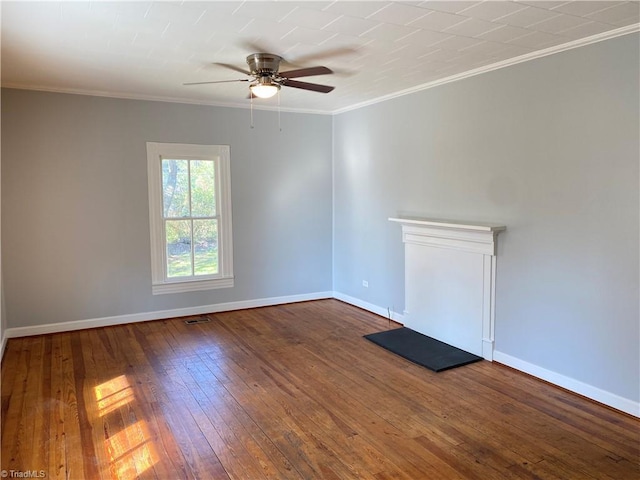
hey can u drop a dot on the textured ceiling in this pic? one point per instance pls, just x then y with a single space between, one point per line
377 49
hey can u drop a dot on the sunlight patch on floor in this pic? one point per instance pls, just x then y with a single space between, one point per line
113 394
131 450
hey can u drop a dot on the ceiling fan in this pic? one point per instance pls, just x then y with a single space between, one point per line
266 79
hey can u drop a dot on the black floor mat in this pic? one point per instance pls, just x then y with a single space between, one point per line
421 349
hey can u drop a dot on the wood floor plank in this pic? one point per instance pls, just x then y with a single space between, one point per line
444 407
172 460
284 393
339 435
57 463
73 451
318 383
536 422
14 412
578 418
281 420
227 415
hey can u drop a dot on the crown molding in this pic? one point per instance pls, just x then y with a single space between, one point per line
498 65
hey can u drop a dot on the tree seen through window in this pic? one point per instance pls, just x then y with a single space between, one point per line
190 217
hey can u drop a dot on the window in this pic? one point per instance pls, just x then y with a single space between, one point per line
190 217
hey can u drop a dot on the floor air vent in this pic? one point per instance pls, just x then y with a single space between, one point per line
195 321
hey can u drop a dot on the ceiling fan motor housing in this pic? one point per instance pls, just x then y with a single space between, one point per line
263 63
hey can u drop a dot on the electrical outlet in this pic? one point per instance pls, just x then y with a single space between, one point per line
365 284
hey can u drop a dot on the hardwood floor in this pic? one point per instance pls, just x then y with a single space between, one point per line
288 392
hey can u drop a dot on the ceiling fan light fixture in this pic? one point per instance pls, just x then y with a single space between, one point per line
264 90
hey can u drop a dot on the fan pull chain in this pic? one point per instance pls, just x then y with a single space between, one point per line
251 108
279 124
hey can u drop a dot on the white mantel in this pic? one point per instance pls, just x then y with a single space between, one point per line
450 276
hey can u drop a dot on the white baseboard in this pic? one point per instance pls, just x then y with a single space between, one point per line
602 396
383 312
158 315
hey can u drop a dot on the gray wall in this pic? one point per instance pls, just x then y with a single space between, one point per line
3 317
75 221
550 149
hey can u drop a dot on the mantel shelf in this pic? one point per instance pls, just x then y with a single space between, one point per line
449 224
475 237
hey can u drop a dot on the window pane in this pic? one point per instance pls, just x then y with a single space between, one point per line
175 188
203 188
205 240
178 238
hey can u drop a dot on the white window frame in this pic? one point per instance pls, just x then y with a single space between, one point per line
160 283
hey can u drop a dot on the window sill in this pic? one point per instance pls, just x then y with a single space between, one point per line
191 285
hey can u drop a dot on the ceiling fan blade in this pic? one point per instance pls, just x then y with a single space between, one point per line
233 67
254 47
217 81
306 72
314 87
321 56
